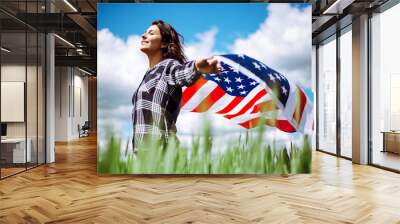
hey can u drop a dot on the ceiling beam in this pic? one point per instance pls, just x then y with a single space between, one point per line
81 61
337 7
86 26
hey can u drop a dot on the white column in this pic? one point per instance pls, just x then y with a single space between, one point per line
50 92
50 100
360 90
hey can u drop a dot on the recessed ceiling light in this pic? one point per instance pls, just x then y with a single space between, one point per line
84 71
5 50
64 40
70 5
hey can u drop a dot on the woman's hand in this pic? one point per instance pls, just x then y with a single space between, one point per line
208 65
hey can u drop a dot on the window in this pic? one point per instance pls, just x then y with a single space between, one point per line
346 93
385 88
327 96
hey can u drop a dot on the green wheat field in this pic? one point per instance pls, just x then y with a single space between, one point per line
248 155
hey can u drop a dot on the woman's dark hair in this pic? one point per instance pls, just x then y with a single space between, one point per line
172 39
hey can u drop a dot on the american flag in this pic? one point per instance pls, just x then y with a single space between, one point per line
247 90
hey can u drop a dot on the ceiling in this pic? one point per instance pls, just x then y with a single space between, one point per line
74 22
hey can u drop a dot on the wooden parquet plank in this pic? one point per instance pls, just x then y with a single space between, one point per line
70 191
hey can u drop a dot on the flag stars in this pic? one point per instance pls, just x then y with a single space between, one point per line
271 77
238 79
236 83
284 91
227 80
257 66
264 66
278 76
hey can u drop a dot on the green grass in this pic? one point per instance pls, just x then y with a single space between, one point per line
251 155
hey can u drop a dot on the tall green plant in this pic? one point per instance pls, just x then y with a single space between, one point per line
252 156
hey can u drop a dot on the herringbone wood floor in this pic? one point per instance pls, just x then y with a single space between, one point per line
70 191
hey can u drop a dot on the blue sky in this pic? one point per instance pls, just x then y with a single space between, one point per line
188 19
233 20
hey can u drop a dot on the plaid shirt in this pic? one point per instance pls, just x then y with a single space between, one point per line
156 102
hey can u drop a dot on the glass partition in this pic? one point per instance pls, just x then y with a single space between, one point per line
23 91
327 96
13 105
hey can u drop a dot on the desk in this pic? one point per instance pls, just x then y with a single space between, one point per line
391 141
15 148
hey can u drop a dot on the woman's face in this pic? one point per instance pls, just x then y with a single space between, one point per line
151 41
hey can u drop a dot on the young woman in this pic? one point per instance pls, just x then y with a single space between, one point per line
156 102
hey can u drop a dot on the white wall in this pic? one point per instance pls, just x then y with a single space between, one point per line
71 87
62 81
80 108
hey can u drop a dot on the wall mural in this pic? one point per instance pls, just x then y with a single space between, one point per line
204 88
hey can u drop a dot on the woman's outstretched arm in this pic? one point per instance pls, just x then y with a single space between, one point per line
187 73
208 65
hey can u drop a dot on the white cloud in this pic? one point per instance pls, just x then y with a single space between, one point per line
121 66
283 42
204 47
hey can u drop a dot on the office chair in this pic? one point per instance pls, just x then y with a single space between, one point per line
84 130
